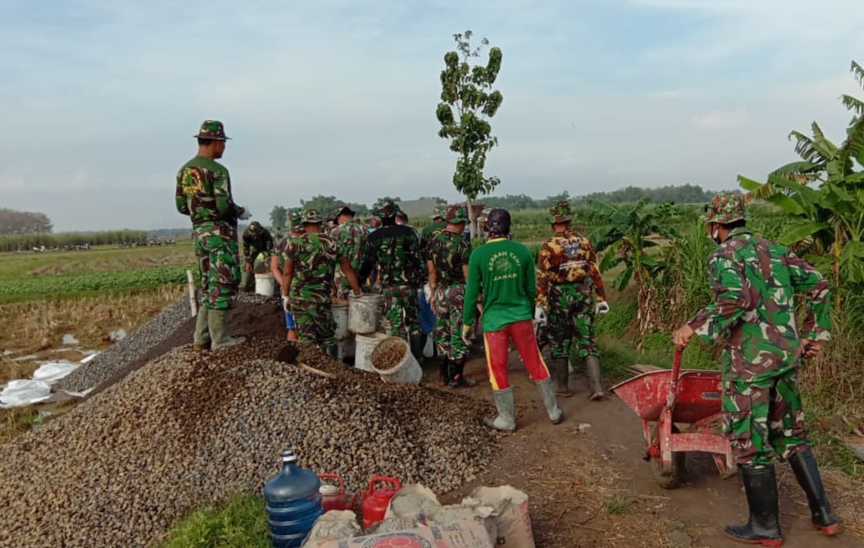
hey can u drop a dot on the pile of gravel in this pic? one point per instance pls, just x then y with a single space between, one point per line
190 429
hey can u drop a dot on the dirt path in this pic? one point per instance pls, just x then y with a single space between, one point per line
588 484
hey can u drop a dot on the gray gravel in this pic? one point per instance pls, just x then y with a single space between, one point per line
132 347
190 429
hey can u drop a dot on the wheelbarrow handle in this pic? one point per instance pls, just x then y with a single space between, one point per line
676 363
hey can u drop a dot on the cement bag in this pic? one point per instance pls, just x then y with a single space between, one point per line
510 512
418 503
333 525
463 534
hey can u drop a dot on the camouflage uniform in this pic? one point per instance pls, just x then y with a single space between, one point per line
351 238
449 253
314 257
567 280
395 249
203 192
257 240
438 212
755 282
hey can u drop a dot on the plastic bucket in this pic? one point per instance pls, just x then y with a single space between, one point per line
364 346
340 316
264 284
407 370
364 312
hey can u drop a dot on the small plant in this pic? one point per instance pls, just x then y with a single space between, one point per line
241 522
619 504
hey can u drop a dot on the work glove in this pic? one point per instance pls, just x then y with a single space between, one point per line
539 315
601 308
468 334
285 306
427 292
245 215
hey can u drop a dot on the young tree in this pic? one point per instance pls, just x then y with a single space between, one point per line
278 217
467 102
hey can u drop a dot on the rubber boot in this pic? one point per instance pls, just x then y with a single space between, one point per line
548 392
763 527
592 364
457 375
201 341
218 322
443 371
332 351
416 342
505 403
807 472
558 369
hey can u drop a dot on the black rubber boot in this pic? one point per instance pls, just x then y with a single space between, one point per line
807 472
443 371
457 377
416 342
763 527
332 351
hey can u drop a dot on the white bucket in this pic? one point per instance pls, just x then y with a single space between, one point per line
364 312
365 344
340 316
406 371
264 284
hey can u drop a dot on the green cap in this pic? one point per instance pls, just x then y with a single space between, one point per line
457 214
294 218
560 212
439 210
213 130
311 216
725 208
385 209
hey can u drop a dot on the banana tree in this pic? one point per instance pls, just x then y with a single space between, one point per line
626 241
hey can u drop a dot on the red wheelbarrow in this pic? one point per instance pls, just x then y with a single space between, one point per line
665 400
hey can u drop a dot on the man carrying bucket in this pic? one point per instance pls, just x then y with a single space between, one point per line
351 238
277 266
504 271
447 255
755 282
256 241
310 262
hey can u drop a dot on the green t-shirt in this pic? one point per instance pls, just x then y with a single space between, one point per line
503 270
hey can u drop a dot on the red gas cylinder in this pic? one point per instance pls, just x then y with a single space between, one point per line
375 501
334 497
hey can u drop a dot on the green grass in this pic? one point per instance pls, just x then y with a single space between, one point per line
239 523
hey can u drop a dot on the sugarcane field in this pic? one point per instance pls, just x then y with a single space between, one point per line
357 323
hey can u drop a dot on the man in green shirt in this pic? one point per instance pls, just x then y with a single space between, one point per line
203 192
504 271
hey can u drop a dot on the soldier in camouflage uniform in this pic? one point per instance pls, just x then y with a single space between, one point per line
350 236
277 265
439 214
310 262
256 240
426 312
755 282
203 192
447 255
567 281
395 249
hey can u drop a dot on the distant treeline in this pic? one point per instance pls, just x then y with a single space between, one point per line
23 222
169 233
26 242
685 194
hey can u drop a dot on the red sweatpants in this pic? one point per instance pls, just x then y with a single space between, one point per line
522 335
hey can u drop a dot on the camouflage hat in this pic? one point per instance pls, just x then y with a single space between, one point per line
725 208
342 208
560 213
294 218
385 209
255 226
439 210
311 216
212 130
457 214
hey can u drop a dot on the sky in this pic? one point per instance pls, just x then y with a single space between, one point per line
99 99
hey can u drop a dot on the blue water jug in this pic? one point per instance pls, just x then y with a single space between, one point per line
293 503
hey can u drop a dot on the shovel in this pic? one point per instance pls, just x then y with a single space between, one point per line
289 354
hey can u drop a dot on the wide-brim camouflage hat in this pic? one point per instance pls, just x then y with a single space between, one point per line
560 213
385 209
343 208
294 218
457 214
439 211
725 208
212 130
311 216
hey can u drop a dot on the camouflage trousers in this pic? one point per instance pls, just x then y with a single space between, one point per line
449 300
571 320
314 320
218 265
763 417
402 310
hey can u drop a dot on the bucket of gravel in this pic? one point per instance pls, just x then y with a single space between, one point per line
340 316
264 284
364 345
364 311
392 359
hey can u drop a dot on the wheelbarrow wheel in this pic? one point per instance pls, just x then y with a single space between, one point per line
670 479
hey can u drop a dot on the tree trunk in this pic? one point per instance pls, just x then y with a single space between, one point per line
470 208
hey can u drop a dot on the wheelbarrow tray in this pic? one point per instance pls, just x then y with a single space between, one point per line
698 394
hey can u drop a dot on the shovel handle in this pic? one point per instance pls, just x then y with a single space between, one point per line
316 371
